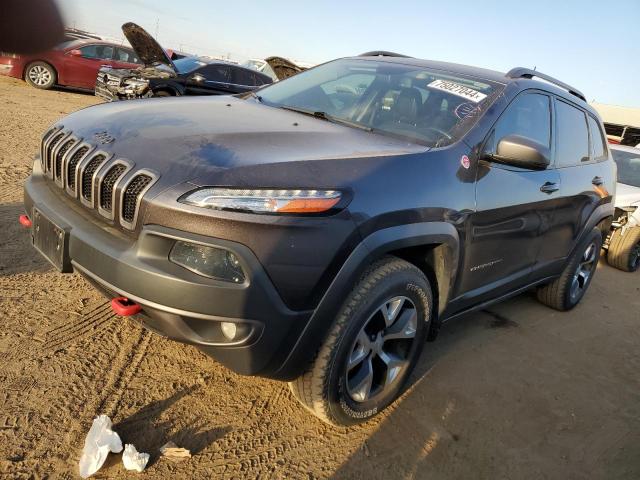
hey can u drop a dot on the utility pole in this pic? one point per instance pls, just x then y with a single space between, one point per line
157 27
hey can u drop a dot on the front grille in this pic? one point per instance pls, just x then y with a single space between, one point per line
131 194
75 166
60 155
106 188
87 176
53 143
71 166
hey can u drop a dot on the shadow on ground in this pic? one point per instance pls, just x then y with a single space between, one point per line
17 255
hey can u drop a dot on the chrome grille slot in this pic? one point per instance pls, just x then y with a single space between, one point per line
131 197
87 176
45 138
50 147
108 184
60 156
71 167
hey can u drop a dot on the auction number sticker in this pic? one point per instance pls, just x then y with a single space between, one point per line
459 90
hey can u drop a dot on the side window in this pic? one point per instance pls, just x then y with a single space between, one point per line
529 115
598 149
216 73
573 136
102 52
242 77
125 55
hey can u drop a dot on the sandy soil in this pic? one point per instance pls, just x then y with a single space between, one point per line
518 392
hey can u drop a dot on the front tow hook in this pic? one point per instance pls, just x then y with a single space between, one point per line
124 307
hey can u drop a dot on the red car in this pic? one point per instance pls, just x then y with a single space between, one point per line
73 64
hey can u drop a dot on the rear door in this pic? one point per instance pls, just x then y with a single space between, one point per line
514 206
583 182
83 70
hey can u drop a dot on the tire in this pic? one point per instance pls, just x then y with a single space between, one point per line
332 391
40 75
163 93
624 249
566 291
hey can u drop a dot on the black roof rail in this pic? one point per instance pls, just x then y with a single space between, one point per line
521 72
383 53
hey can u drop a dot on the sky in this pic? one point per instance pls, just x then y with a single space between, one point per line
588 44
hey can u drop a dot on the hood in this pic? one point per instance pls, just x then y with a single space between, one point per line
213 139
627 195
283 68
145 46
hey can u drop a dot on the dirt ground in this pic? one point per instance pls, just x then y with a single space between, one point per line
516 392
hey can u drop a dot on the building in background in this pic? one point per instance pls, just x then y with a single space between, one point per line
621 123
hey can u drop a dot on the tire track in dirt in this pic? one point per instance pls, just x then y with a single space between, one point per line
79 328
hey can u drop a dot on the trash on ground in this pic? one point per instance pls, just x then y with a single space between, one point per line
99 442
134 460
174 452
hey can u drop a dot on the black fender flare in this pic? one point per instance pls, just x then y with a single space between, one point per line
177 91
369 250
601 217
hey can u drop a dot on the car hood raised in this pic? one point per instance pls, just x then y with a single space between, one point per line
283 68
146 47
197 139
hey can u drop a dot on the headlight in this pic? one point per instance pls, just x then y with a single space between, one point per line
208 261
263 201
135 84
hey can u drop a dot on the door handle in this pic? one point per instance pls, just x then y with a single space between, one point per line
549 187
597 181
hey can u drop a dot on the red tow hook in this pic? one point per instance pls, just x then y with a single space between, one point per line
25 221
125 307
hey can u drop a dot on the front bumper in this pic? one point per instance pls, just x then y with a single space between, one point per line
176 303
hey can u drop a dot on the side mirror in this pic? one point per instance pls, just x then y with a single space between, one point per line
75 52
522 152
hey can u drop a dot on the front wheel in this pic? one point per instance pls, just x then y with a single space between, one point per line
40 75
566 291
375 342
624 249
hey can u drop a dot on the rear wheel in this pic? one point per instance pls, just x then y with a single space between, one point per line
566 291
375 342
163 93
624 249
40 75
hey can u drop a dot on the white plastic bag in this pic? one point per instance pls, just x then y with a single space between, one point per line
99 442
133 460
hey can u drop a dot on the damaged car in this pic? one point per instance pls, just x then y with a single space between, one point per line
623 244
278 68
160 76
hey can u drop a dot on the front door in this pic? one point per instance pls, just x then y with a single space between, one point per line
514 208
82 70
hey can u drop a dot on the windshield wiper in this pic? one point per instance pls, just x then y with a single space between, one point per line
326 116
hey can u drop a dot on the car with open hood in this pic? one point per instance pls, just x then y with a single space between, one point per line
160 76
319 230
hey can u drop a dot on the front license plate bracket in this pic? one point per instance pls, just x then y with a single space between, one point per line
51 241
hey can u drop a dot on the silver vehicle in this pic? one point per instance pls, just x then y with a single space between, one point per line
623 244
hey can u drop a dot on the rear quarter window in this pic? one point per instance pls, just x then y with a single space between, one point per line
598 148
573 137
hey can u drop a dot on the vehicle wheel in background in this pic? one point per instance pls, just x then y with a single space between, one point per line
372 347
624 249
163 93
566 291
40 75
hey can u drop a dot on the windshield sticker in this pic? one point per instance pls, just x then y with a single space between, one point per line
457 89
465 109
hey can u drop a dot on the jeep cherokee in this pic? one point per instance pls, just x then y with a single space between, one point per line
320 229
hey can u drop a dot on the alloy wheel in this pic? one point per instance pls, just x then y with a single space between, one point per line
583 272
39 75
380 353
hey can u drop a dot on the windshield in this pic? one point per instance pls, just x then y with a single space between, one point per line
628 166
188 64
425 106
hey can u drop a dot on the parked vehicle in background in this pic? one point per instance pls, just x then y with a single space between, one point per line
278 68
160 76
623 244
320 231
71 64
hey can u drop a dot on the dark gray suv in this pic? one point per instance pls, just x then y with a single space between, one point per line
320 229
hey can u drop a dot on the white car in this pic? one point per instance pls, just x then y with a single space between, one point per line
623 244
